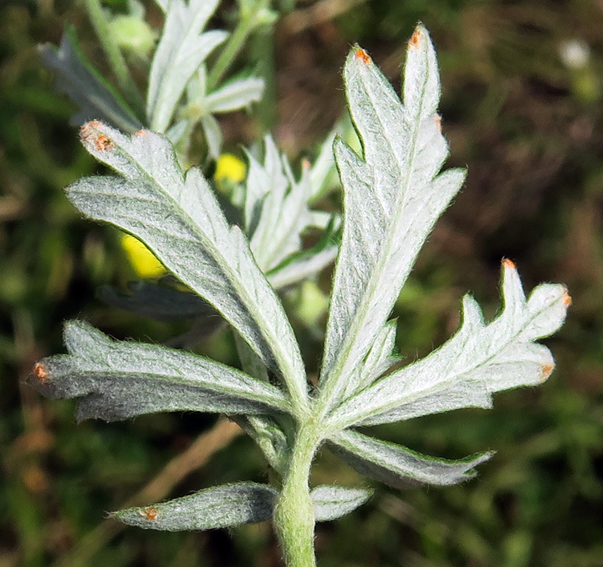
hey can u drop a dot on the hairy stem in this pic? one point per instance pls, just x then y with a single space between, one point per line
294 513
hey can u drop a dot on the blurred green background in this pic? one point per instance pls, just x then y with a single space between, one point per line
522 107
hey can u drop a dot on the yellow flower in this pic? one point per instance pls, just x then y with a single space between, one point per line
142 259
229 168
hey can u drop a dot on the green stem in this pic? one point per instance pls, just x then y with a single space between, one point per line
235 42
115 57
294 512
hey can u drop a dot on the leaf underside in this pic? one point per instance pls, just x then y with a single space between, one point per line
235 504
117 380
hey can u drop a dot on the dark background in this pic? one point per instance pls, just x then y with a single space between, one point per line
529 128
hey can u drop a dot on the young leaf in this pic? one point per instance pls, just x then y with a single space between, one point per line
219 507
332 502
478 361
397 466
181 50
79 79
180 221
117 380
277 212
392 198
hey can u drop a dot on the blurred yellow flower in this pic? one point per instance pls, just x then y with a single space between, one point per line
229 168
142 259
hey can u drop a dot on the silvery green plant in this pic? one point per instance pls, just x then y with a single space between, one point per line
392 195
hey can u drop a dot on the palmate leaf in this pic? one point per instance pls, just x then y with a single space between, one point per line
235 504
393 194
392 198
478 361
117 380
180 221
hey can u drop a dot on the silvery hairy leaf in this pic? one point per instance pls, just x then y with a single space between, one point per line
78 78
479 360
234 95
235 504
397 466
181 50
218 507
178 218
304 264
392 197
116 380
332 502
276 210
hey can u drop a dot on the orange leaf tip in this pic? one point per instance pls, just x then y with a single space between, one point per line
363 56
508 264
89 134
545 371
416 36
40 372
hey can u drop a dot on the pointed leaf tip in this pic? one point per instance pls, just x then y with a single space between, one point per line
545 371
416 36
40 371
362 55
92 138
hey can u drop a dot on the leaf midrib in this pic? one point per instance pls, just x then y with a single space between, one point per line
442 385
335 376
